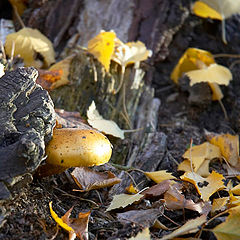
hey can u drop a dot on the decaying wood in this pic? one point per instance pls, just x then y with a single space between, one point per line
27 119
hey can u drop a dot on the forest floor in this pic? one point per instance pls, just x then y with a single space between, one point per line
28 215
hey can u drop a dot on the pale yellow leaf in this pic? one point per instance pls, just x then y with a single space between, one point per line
229 230
229 146
206 187
159 176
101 124
216 91
192 59
123 200
236 189
28 42
190 226
226 8
130 52
214 73
1 70
219 204
199 153
203 170
102 47
143 235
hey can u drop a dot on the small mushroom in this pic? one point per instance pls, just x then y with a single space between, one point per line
73 147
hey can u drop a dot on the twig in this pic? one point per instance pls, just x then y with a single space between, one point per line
73 196
191 164
18 17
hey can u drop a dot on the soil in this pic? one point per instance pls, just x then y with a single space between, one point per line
28 214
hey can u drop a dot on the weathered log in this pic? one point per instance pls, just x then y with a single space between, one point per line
27 118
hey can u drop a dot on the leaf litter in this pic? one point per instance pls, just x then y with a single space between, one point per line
169 191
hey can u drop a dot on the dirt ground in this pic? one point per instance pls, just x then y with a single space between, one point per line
28 214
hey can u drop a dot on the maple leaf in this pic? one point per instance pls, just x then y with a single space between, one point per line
229 230
88 179
102 47
27 43
101 124
123 200
159 176
205 186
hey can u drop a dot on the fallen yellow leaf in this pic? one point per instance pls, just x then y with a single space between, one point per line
159 176
201 9
190 60
64 66
214 74
199 153
228 144
58 220
190 226
217 94
101 124
28 42
229 230
217 9
123 200
236 190
130 52
219 204
222 9
205 186
102 47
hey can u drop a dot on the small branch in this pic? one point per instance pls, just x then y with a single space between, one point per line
18 17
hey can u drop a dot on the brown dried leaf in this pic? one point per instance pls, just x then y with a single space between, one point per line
158 190
88 179
144 218
176 200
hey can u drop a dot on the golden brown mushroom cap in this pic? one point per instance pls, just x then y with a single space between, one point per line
73 147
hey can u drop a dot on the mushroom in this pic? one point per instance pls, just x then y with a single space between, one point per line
74 147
